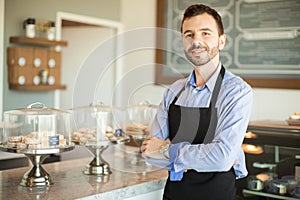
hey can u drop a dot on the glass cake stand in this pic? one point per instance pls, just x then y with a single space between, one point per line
138 139
98 166
36 176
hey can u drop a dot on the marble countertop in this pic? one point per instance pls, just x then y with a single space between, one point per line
130 177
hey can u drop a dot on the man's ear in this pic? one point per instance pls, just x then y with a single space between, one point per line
222 41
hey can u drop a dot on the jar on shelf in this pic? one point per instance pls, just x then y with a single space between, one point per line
51 31
29 26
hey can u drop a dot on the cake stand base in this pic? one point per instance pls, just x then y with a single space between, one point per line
37 176
98 166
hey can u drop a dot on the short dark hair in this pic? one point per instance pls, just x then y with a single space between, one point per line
199 9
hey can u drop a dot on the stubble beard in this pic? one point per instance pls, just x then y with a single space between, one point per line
204 58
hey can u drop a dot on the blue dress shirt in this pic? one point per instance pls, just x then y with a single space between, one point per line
234 105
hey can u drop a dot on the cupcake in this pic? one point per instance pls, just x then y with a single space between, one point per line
295 116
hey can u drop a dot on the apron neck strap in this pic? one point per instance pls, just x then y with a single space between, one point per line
217 87
215 92
178 94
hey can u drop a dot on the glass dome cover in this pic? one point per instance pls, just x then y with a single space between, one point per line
97 123
139 118
36 127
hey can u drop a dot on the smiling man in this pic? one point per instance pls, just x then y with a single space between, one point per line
200 124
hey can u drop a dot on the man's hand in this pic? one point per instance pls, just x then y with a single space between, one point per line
151 147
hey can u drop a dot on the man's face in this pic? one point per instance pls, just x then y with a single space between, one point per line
201 41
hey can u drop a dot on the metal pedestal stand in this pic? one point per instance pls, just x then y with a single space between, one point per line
98 166
37 176
138 139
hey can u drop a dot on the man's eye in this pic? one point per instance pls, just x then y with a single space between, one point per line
205 33
188 35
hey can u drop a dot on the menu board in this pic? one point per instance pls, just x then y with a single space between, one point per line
263 37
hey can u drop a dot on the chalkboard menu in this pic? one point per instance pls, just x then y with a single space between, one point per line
263 37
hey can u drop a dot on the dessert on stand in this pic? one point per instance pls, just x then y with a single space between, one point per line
97 127
138 121
36 131
294 119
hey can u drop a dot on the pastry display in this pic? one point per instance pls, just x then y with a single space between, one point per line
89 135
264 177
295 116
137 129
249 134
294 119
252 149
138 122
97 127
15 139
36 140
37 132
36 127
98 124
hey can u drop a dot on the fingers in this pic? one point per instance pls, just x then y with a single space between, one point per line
143 149
144 145
152 143
149 137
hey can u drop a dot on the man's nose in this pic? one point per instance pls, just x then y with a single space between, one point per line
197 43
197 39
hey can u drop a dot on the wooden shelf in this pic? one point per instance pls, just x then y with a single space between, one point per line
37 41
37 88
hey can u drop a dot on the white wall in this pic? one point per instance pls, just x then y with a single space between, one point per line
84 40
137 14
275 104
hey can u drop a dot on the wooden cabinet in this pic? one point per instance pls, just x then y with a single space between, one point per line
34 65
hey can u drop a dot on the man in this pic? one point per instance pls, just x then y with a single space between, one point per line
201 121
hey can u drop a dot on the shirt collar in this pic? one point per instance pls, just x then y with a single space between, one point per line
210 83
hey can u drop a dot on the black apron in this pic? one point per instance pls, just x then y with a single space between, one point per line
197 126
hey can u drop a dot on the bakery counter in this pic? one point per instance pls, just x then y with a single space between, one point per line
127 180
